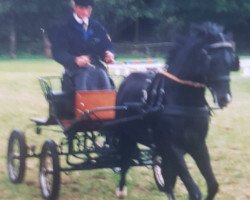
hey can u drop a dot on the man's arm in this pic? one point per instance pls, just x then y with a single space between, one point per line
58 38
82 61
109 57
107 53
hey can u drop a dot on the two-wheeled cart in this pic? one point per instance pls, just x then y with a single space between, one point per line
86 119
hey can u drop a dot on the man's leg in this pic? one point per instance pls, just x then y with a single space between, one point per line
80 79
67 83
104 82
90 78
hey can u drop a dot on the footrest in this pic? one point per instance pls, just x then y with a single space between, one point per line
44 121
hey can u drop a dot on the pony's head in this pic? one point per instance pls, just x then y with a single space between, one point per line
207 56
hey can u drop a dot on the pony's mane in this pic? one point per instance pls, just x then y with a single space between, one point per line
207 31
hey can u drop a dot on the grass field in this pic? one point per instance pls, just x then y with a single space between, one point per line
21 99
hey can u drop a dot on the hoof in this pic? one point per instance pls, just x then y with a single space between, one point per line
212 191
170 197
121 194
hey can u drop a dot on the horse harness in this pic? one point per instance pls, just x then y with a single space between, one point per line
217 45
154 103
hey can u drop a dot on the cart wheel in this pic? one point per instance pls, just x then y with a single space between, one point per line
157 173
49 171
16 156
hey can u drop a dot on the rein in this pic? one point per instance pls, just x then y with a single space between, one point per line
181 81
204 111
181 110
197 84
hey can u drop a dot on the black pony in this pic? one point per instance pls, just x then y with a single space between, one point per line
174 109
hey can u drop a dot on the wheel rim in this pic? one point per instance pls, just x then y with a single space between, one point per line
14 160
46 174
158 172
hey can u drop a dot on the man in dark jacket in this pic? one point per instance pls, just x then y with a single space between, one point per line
80 44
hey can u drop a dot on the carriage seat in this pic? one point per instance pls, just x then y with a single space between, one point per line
69 104
61 103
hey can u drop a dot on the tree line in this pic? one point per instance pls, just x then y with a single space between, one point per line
24 22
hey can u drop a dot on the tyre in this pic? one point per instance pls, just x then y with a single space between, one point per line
158 173
16 156
49 171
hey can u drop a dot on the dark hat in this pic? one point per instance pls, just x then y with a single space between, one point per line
84 2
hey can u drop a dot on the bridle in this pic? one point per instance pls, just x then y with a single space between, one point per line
194 84
221 45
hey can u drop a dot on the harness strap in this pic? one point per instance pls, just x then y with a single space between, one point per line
221 45
186 111
221 78
181 81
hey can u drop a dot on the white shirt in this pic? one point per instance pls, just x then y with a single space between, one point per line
85 20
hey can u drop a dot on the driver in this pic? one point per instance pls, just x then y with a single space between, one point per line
81 44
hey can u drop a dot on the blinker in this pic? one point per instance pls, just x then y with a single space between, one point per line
236 65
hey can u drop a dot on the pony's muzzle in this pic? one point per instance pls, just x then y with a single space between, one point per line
223 101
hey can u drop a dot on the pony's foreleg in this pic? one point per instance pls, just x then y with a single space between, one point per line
178 159
201 157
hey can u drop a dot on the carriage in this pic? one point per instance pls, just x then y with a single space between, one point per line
169 107
86 120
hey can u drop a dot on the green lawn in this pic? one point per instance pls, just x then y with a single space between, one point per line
21 99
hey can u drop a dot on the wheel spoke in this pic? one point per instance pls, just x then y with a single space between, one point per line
17 151
14 159
49 166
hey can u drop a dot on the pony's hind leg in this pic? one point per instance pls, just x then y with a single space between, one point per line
201 157
182 170
121 191
169 174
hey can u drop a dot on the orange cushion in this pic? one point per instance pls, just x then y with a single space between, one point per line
86 101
